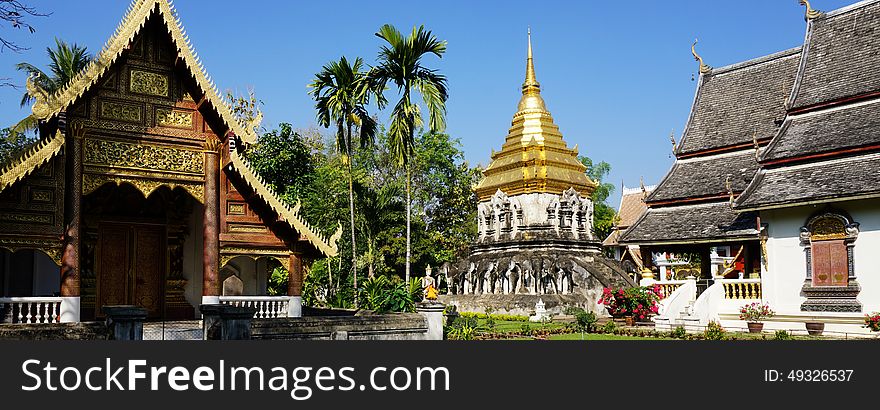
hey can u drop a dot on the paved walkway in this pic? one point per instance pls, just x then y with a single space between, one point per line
174 330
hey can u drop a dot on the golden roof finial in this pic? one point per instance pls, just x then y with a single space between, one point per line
531 79
810 13
703 67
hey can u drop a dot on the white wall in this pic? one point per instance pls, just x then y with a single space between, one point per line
786 272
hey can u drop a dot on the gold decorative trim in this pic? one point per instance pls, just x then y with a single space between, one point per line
45 219
146 186
827 228
166 117
142 156
228 254
247 229
52 249
120 111
149 83
38 155
290 215
212 144
235 209
134 20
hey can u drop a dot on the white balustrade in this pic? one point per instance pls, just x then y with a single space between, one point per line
31 309
267 306
669 286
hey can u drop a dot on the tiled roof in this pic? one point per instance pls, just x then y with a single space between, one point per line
700 223
826 181
855 126
706 176
841 56
732 103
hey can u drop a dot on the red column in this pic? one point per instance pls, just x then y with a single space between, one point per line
211 223
70 278
295 285
70 272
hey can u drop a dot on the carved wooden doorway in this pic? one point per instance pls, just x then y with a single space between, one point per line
131 263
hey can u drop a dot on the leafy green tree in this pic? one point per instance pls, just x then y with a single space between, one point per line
380 208
12 145
400 62
65 62
603 214
284 161
341 92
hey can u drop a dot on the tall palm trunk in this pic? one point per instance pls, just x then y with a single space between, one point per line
408 225
351 215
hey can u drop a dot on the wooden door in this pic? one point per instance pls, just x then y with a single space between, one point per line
131 266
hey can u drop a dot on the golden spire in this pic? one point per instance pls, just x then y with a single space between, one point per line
531 88
534 157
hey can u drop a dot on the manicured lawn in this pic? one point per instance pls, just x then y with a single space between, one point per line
504 326
599 336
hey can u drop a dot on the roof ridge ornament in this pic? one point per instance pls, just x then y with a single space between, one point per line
642 186
755 143
729 188
703 67
810 13
672 139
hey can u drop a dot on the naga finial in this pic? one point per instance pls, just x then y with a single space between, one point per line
703 67
810 13
40 108
729 188
672 139
755 143
644 190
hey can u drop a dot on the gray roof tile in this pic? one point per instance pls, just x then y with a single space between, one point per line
691 223
700 177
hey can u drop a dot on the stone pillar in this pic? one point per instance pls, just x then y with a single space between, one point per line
125 322
225 322
70 260
294 285
211 233
433 312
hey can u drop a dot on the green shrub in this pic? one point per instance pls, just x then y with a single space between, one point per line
463 328
610 327
526 329
586 321
499 317
678 333
782 335
714 331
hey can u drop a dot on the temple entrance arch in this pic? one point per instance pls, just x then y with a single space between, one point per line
133 249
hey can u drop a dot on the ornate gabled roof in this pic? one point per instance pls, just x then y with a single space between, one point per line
735 103
290 215
534 157
30 160
840 57
706 176
135 19
832 180
686 224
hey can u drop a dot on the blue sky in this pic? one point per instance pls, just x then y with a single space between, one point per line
615 75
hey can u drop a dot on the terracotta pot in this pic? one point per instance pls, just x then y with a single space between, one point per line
755 327
815 328
630 320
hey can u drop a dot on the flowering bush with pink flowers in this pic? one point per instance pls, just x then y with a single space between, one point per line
639 302
755 312
872 322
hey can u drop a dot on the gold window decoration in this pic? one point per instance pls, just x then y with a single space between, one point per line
120 111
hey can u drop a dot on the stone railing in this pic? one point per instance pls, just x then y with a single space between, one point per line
31 309
267 306
745 289
669 286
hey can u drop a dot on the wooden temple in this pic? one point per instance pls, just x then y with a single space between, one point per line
138 192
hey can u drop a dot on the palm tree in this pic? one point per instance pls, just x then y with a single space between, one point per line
341 91
66 61
380 208
400 62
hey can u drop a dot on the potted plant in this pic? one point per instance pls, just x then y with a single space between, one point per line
753 313
634 304
815 327
872 322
